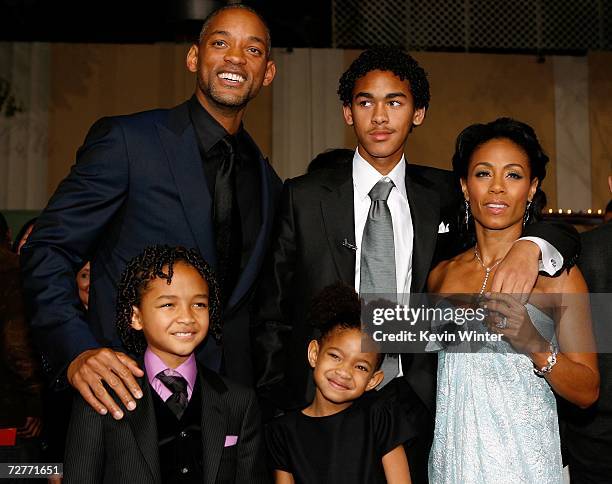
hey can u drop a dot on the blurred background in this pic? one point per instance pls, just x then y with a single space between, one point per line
545 62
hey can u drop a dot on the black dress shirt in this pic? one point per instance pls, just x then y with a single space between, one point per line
248 176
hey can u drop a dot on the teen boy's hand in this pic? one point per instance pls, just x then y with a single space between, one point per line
92 367
518 272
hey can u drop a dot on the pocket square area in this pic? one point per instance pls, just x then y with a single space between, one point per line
230 440
443 228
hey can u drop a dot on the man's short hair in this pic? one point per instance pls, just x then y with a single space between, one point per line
241 6
392 59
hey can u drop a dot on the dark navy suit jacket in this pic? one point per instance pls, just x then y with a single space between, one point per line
138 181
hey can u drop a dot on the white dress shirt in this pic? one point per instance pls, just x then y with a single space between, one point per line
551 259
365 176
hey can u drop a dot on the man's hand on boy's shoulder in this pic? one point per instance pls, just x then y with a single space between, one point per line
88 372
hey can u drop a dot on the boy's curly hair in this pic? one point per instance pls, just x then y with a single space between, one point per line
391 59
337 307
142 269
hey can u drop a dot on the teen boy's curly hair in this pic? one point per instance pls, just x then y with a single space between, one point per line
337 307
158 262
391 59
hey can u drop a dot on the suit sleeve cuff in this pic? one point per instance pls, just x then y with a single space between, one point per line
551 259
65 350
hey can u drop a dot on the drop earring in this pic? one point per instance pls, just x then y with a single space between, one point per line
526 216
467 213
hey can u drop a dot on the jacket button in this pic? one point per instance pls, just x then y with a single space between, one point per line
184 470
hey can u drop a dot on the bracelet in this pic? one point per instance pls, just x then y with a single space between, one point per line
550 361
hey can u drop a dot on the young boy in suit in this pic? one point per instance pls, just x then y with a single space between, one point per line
191 425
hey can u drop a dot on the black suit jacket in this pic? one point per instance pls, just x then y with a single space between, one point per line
138 181
309 252
101 449
596 257
587 434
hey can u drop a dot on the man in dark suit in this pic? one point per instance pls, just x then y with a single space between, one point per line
188 176
321 230
588 433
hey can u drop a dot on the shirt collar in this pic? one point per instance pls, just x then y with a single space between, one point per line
153 365
365 176
208 130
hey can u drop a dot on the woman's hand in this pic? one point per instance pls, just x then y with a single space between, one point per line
510 318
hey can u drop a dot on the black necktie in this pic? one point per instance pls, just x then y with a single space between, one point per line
178 401
227 222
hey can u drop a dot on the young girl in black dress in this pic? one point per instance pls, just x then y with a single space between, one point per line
343 436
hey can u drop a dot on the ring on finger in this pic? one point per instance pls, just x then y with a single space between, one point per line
503 324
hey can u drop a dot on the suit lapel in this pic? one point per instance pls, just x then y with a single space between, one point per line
180 144
248 275
143 425
425 211
337 210
213 423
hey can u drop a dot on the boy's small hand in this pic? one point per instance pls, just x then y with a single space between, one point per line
92 367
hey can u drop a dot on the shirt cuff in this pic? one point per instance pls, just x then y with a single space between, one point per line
551 260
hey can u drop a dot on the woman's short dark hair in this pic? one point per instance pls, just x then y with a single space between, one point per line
520 134
337 307
158 262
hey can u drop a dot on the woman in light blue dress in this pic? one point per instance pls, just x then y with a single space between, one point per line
496 416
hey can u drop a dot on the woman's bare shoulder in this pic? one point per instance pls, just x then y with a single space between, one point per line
447 269
569 281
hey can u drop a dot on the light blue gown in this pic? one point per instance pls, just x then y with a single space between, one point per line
496 421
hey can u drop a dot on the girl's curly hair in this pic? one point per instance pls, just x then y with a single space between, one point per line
337 307
142 269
